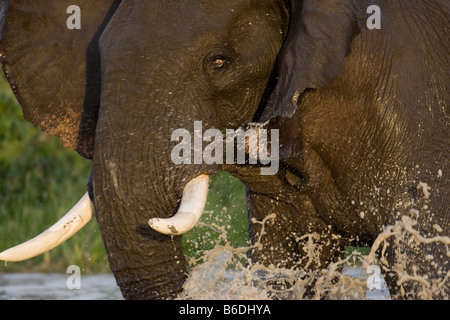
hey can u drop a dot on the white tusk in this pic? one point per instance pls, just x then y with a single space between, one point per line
66 227
191 209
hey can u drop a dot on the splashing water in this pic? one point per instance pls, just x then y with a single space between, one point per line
404 232
227 273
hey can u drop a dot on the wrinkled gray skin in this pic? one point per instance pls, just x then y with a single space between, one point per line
363 118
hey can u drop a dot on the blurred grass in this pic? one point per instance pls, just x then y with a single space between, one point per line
40 181
224 219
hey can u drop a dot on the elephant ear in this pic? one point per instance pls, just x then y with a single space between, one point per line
54 70
3 14
314 52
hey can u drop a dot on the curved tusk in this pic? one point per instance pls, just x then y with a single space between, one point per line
191 209
66 227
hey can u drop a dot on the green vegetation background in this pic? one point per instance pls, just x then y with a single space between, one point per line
40 181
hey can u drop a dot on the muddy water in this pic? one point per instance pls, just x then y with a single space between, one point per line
210 281
38 286
226 274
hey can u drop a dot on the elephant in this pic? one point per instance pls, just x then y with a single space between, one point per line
361 109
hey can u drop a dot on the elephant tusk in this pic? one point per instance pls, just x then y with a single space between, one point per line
66 227
190 210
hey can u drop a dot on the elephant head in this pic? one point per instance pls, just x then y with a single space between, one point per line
117 88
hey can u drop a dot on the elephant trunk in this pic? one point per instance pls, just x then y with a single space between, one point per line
145 263
135 181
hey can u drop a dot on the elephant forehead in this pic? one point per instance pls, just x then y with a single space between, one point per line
177 23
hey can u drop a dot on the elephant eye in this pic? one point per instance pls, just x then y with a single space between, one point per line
219 62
